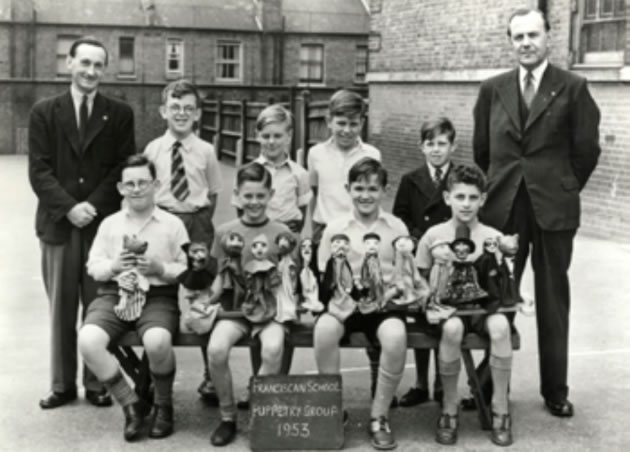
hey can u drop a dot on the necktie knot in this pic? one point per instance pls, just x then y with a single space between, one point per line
437 176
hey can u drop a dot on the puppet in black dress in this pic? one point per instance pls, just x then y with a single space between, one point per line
337 284
287 292
463 285
262 281
308 281
369 284
407 290
495 274
228 287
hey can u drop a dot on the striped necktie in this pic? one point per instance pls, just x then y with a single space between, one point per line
437 177
528 90
179 183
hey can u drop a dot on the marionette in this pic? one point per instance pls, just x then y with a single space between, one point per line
132 285
261 281
228 287
463 285
337 284
287 292
369 284
308 281
407 289
438 282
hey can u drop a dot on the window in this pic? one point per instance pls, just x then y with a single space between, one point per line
229 61
174 58
126 57
602 31
312 63
361 64
63 47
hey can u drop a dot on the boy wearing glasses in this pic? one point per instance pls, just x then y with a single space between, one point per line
189 176
159 263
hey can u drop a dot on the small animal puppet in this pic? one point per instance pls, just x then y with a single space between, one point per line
371 289
337 284
463 285
261 281
308 281
407 289
196 283
132 285
495 275
287 292
228 287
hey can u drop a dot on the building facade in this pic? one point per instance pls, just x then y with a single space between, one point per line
428 58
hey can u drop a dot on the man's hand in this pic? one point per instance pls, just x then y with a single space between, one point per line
81 214
123 262
149 266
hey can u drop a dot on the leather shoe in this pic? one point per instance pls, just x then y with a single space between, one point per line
381 434
415 396
134 416
501 434
56 399
98 398
560 409
468 403
224 434
208 393
162 422
446 432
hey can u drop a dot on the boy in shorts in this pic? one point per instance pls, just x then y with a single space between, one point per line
161 263
366 185
465 194
253 189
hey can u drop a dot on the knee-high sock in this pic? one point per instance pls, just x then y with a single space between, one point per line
449 373
501 370
163 388
120 390
222 378
386 386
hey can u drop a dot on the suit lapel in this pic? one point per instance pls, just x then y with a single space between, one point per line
550 87
508 93
423 182
98 119
438 193
68 120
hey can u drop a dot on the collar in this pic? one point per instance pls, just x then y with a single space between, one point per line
187 143
537 74
382 216
331 144
266 162
77 96
444 169
157 214
254 225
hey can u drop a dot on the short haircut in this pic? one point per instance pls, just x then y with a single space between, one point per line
525 12
272 114
91 40
179 89
138 160
365 168
346 103
429 130
468 174
254 172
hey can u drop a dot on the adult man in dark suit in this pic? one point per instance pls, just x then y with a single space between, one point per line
77 143
419 203
536 135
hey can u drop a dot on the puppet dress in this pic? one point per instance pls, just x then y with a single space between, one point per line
233 283
497 280
463 286
337 286
287 290
372 293
410 290
261 281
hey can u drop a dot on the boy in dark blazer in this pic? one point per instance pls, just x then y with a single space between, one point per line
419 204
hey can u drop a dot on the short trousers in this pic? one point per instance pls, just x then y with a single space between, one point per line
477 324
160 311
250 329
367 324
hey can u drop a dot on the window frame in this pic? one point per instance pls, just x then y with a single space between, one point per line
131 74
173 74
59 58
357 78
220 61
311 81
581 57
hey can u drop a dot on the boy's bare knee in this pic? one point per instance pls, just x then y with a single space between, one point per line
453 330
498 328
157 342
218 352
92 341
327 331
392 336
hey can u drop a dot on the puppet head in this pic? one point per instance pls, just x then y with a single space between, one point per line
197 254
232 244
403 244
306 250
508 244
260 247
462 246
371 241
441 252
491 245
135 245
339 245
286 243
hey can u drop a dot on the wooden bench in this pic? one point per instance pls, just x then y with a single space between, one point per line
302 336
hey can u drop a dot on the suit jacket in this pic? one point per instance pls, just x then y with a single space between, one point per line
62 173
553 153
418 203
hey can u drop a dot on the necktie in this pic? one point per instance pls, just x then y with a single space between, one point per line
179 183
528 89
437 177
83 119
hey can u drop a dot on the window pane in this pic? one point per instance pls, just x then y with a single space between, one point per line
126 63
590 9
606 8
174 56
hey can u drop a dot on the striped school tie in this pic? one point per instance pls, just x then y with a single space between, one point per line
179 183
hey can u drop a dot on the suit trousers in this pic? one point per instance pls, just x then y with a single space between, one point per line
66 282
551 256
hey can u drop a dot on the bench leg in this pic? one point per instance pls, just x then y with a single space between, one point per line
129 361
144 387
477 390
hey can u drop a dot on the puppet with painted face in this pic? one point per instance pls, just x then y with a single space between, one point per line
287 292
463 285
443 258
495 274
407 290
132 285
262 281
370 286
196 282
337 284
308 281
228 287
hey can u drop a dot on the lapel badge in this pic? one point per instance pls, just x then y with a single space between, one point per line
105 118
553 93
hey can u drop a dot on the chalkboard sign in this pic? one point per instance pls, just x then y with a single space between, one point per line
296 412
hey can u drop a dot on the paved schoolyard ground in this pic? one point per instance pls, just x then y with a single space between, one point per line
599 365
